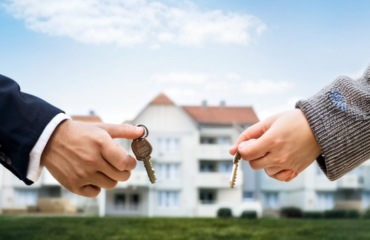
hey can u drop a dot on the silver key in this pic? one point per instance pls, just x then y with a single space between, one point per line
236 160
142 150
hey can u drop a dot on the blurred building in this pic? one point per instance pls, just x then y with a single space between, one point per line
191 160
193 166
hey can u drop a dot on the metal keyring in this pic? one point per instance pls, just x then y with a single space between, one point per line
146 131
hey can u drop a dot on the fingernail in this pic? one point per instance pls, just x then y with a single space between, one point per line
292 175
242 145
139 130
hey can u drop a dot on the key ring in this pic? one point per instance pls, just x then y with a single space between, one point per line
146 131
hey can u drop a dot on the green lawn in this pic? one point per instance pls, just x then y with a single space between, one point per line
90 228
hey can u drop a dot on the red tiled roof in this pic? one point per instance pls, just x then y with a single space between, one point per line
162 99
87 119
226 115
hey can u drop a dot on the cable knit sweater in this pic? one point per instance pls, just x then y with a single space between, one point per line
339 116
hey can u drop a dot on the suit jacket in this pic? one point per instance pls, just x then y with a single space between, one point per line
23 118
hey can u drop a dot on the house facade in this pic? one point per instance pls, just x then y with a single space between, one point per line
191 161
193 166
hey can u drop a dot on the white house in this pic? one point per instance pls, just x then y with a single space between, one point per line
192 164
191 160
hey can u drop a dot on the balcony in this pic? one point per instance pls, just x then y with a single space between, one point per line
217 180
352 181
214 152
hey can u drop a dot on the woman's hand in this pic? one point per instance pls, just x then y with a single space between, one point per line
284 145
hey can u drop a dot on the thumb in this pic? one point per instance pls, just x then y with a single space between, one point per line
253 149
121 130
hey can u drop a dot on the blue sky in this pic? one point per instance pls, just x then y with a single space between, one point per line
115 56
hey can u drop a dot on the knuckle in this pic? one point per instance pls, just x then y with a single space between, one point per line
90 161
126 128
81 174
274 141
101 140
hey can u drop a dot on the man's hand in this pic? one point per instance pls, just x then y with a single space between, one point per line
284 145
84 157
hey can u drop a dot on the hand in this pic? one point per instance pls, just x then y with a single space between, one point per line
84 158
284 145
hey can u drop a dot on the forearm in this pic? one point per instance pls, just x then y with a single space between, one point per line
339 116
23 118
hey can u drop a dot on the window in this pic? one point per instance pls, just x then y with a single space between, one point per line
225 167
365 200
134 201
215 140
119 201
248 197
25 197
168 199
223 141
168 145
168 171
207 166
207 196
271 200
325 201
208 140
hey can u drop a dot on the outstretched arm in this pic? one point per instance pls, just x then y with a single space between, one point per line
332 126
82 157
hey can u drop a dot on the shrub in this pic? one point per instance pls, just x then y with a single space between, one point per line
224 213
352 214
335 214
367 214
249 214
313 215
291 212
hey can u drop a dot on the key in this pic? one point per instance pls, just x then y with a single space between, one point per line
142 150
236 160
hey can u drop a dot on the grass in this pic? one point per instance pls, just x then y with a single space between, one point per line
110 228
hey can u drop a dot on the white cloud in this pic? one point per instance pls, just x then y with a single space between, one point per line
260 87
264 87
264 112
180 77
183 92
131 22
155 46
233 76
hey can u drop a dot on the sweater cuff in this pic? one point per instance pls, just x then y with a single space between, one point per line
339 118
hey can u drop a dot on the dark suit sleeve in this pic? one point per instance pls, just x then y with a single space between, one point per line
23 118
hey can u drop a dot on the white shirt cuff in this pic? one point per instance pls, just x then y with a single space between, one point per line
34 167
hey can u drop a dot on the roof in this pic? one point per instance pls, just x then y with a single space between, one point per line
226 115
162 99
87 119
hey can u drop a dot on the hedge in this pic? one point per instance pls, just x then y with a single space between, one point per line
224 213
249 214
291 212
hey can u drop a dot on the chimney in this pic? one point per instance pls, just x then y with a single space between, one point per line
222 104
204 104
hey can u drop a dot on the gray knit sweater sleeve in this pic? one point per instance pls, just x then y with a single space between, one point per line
339 117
